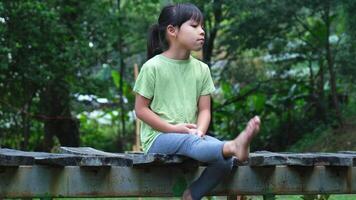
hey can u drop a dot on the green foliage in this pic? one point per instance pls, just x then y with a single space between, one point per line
269 58
96 135
62 44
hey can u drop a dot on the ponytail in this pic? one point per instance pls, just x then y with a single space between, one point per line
154 43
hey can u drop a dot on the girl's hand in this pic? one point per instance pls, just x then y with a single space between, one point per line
184 128
196 132
200 133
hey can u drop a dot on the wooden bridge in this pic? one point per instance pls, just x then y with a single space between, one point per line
87 172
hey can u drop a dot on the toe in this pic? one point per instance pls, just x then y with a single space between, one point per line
258 119
250 125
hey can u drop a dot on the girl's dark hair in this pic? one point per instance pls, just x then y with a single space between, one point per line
174 15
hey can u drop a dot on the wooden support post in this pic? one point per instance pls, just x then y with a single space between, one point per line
137 146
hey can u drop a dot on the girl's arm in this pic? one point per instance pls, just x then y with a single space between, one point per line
144 113
204 114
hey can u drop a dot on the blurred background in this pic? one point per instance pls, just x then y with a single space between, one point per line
67 71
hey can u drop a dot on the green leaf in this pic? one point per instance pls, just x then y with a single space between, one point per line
226 88
256 102
116 78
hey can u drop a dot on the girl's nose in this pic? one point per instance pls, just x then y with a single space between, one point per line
202 32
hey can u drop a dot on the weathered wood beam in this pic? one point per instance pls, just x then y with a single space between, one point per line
137 158
266 158
10 157
152 181
85 156
260 158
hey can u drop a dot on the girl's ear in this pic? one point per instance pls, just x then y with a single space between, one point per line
172 31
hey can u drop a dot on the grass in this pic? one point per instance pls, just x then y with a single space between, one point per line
278 197
327 139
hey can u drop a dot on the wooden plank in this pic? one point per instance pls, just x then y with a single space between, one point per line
261 158
86 151
161 159
265 158
137 158
351 154
55 159
348 152
73 181
10 158
86 156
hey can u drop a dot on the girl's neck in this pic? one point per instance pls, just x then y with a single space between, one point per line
177 54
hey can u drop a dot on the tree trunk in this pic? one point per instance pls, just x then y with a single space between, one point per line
320 100
311 77
209 47
25 128
210 37
121 87
28 93
55 106
330 62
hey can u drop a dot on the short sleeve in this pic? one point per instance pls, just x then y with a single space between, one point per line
208 84
145 82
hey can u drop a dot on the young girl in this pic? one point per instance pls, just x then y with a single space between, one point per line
173 100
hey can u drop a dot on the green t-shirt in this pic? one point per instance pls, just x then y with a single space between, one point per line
174 87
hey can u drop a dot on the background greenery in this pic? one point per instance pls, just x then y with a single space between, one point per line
66 71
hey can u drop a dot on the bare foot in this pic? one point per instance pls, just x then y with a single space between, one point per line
239 147
187 195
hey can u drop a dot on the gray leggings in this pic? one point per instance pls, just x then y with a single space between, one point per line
207 149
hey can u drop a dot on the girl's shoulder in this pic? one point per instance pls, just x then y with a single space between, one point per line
150 62
200 64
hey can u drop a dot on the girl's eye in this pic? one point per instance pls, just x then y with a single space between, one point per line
196 25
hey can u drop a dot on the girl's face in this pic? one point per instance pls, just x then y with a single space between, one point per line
191 35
